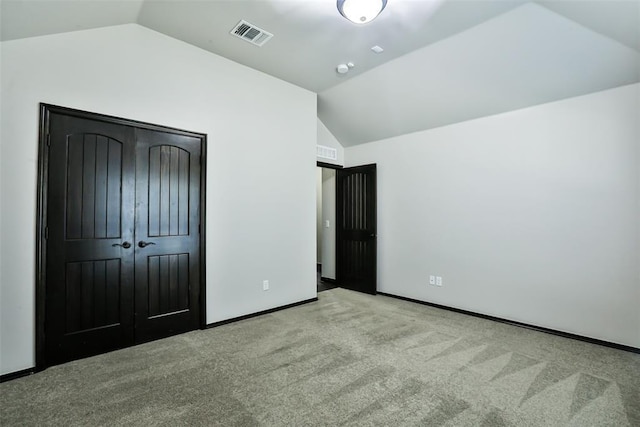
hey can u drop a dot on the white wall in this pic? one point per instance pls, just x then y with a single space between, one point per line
531 215
329 214
253 231
326 138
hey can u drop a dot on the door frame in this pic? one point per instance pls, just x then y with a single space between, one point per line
336 168
41 211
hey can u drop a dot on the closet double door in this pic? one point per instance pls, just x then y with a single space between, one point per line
122 233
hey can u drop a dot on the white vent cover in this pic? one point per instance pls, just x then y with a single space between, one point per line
251 33
326 152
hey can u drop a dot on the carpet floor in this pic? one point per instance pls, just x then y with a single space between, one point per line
349 359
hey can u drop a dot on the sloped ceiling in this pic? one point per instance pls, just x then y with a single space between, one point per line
445 61
525 57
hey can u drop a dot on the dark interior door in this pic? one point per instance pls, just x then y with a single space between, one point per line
356 231
122 217
90 269
167 234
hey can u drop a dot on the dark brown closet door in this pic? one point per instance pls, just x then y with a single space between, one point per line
90 253
167 234
356 228
119 241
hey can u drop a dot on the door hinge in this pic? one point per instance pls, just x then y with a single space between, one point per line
46 232
48 140
199 232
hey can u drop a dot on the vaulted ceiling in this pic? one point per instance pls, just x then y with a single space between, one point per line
444 61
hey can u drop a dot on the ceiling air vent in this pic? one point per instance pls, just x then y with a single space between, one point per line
251 33
326 152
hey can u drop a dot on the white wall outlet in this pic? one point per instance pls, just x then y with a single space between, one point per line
432 280
438 281
265 285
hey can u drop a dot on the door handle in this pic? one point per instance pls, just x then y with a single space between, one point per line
144 244
125 245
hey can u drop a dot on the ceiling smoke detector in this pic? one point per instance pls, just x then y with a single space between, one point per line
344 68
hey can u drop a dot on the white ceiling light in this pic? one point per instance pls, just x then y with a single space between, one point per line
361 11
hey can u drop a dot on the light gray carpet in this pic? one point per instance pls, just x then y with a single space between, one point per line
349 359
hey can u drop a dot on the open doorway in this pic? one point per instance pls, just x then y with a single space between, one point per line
346 226
325 227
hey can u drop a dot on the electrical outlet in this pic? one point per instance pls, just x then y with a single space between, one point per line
432 280
265 285
438 281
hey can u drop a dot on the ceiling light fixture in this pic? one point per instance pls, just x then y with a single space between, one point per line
361 11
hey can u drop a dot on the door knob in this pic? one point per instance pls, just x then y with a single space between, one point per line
125 245
144 244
